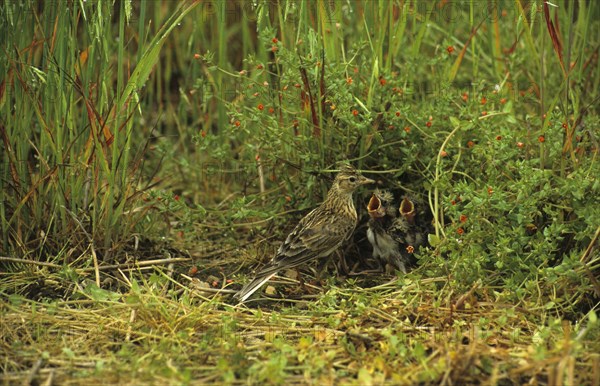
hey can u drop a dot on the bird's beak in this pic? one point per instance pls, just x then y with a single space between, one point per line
407 210
374 207
364 180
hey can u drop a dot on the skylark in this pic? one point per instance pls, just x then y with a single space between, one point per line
319 233
394 233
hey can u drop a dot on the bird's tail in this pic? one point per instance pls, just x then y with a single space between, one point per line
254 285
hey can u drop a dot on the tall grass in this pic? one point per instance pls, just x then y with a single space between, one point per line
71 179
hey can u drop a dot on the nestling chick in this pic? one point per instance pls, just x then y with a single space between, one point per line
319 233
394 232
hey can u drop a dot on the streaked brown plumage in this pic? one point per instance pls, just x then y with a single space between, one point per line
394 232
319 233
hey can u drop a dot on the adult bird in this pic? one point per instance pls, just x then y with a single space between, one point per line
320 233
394 233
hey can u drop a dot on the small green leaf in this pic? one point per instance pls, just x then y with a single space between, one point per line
101 295
455 122
434 240
68 352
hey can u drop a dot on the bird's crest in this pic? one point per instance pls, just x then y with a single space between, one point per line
346 168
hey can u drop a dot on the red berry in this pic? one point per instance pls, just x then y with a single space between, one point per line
261 106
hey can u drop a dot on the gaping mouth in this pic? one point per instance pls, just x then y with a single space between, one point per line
374 207
407 210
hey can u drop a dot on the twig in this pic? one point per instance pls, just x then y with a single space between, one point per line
96 265
139 264
32 374
50 379
464 297
100 268
131 320
588 250
32 262
91 241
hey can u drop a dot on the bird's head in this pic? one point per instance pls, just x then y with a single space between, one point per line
349 179
407 210
381 204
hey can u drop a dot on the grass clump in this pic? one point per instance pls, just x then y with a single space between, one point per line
144 177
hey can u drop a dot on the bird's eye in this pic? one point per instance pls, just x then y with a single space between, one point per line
352 179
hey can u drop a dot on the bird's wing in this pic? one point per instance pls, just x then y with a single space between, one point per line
318 234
